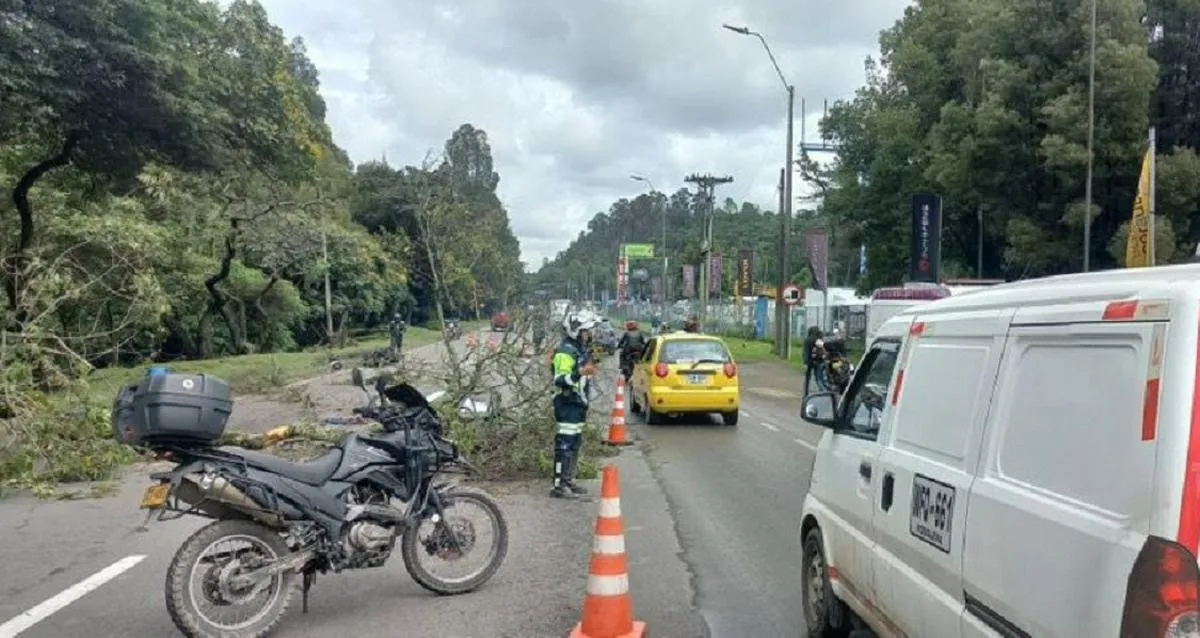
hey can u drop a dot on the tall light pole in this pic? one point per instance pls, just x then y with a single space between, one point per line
663 246
783 341
1091 135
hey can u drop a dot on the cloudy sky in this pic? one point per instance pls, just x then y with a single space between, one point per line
576 96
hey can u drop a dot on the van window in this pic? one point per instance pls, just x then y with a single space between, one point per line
944 389
865 400
1071 418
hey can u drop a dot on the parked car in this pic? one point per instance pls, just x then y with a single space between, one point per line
685 373
500 322
1018 461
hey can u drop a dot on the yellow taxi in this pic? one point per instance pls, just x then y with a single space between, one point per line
685 373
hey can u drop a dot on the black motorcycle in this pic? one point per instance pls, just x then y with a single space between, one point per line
629 358
289 521
835 371
453 329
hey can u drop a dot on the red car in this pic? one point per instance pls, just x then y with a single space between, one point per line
500 322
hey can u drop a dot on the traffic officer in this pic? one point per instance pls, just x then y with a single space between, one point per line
572 367
396 332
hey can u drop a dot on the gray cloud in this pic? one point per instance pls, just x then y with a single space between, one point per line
576 96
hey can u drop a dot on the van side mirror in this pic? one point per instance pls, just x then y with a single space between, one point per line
821 409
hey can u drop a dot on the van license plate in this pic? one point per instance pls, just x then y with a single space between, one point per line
697 379
155 496
932 512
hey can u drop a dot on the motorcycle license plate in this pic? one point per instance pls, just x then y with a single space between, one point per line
697 379
155 496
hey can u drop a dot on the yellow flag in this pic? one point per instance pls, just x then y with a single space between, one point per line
1137 247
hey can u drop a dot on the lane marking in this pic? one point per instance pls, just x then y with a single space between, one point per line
69 595
807 444
769 426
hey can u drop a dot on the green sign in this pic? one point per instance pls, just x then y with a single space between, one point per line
638 251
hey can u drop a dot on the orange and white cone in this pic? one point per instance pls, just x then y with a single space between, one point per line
607 608
616 424
472 341
492 343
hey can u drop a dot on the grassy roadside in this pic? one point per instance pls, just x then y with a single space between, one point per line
761 351
257 373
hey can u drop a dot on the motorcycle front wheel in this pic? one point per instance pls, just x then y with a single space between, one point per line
455 539
200 577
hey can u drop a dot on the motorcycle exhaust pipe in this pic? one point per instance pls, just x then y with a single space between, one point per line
223 492
377 512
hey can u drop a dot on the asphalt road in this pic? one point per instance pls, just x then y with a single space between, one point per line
735 494
82 569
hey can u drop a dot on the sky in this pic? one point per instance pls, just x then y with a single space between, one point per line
577 96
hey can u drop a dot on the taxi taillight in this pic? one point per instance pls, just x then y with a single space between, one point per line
1161 599
661 370
730 370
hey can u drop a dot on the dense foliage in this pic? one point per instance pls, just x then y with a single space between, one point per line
173 189
986 104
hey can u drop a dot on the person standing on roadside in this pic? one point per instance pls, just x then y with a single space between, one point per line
396 332
810 347
572 368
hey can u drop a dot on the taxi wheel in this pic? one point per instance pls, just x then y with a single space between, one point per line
653 417
634 406
730 418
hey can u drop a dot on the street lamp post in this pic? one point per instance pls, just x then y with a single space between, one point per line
783 341
663 246
1091 135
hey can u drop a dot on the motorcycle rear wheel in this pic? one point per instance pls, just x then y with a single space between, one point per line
413 550
182 595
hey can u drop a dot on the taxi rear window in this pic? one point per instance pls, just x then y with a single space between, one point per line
693 350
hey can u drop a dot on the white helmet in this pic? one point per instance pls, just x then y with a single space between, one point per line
582 320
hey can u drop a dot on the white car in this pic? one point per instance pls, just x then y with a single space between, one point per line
1020 461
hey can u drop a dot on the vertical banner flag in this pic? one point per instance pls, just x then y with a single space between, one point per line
745 274
925 255
622 279
1137 247
816 244
716 274
689 281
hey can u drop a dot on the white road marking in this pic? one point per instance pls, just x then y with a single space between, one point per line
806 444
769 426
69 595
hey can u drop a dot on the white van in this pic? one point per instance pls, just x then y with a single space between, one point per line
1023 460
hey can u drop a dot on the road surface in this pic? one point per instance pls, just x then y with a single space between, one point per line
735 494
81 569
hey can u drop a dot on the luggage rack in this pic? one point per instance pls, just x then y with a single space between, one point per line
173 510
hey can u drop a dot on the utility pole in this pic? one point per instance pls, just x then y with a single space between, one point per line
707 184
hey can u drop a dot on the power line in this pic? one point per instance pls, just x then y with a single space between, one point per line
707 185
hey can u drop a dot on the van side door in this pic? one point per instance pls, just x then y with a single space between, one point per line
1065 490
844 474
927 462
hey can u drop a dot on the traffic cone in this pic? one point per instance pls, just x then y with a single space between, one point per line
607 608
616 423
471 340
492 343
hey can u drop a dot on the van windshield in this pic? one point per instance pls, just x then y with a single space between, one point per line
693 351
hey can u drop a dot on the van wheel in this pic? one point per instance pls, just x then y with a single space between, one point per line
824 614
730 418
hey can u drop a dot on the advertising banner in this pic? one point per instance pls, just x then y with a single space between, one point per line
925 256
816 244
744 286
716 272
689 281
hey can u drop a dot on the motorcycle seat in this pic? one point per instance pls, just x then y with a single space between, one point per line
314 472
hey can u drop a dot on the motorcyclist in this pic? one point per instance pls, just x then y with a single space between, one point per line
691 325
810 356
572 366
631 345
539 332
